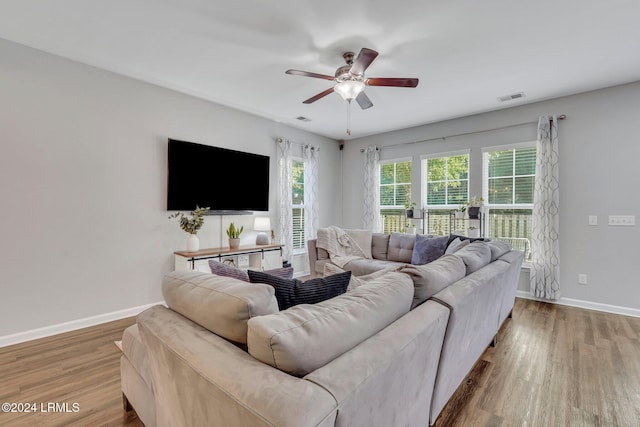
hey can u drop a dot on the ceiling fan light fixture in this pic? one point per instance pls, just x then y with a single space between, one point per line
349 89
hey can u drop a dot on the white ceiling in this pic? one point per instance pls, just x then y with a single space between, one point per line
465 53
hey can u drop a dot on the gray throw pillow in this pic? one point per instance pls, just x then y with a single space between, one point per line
427 249
222 269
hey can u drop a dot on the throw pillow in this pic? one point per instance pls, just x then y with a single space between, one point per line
290 292
357 281
222 269
427 249
456 245
463 238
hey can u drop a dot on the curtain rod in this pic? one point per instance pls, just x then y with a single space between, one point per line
443 138
313 147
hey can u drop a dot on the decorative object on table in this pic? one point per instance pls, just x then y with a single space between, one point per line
191 225
262 224
459 213
473 207
409 228
409 207
234 235
473 232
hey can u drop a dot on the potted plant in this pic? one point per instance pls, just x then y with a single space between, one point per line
191 225
473 232
233 234
459 213
409 206
473 207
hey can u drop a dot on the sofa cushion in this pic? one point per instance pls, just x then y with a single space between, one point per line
222 269
356 281
305 337
379 245
455 245
475 256
401 247
220 304
428 248
429 279
498 249
135 351
361 267
290 292
461 237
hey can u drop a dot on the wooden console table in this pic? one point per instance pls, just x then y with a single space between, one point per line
262 257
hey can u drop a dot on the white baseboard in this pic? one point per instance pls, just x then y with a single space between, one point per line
73 325
615 309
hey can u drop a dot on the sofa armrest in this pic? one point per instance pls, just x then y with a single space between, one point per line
388 379
202 379
313 256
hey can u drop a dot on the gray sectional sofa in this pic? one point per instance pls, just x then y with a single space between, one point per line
221 354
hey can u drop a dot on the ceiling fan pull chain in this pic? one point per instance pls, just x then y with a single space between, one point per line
349 117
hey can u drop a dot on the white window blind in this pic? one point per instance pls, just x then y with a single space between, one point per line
509 178
297 198
395 193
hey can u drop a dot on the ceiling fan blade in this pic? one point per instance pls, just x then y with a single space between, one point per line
318 96
391 81
364 101
308 74
362 62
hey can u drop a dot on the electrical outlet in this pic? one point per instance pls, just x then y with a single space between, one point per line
582 279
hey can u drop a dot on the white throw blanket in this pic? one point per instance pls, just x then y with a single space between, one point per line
341 246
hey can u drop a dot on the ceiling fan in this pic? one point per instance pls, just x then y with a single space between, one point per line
350 79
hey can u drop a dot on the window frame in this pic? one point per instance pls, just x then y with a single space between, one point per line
424 174
298 250
399 208
485 186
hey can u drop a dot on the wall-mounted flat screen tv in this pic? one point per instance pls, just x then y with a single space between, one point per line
224 180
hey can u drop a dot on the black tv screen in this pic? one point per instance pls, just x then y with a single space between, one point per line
218 178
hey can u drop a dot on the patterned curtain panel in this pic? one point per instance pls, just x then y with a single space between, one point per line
545 263
285 178
310 156
371 211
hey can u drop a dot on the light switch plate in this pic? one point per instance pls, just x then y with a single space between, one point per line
622 220
593 219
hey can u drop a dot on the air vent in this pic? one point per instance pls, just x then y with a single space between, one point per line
303 119
511 97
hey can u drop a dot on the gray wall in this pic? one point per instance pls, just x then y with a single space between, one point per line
84 228
599 152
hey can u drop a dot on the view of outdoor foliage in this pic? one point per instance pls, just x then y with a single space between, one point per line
297 198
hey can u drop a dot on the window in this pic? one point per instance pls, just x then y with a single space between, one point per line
395 193
509 178
297 204
446 187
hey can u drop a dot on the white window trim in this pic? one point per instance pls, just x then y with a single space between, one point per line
389 162
485 180
423 175
303 249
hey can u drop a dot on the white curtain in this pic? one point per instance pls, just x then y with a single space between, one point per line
545 264
371 211
285 178
310 157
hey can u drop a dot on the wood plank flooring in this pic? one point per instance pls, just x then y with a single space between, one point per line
81 367
553 366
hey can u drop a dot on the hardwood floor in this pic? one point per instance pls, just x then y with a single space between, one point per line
81 367
553 366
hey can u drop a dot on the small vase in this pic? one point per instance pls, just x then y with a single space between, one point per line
234 243
193 243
